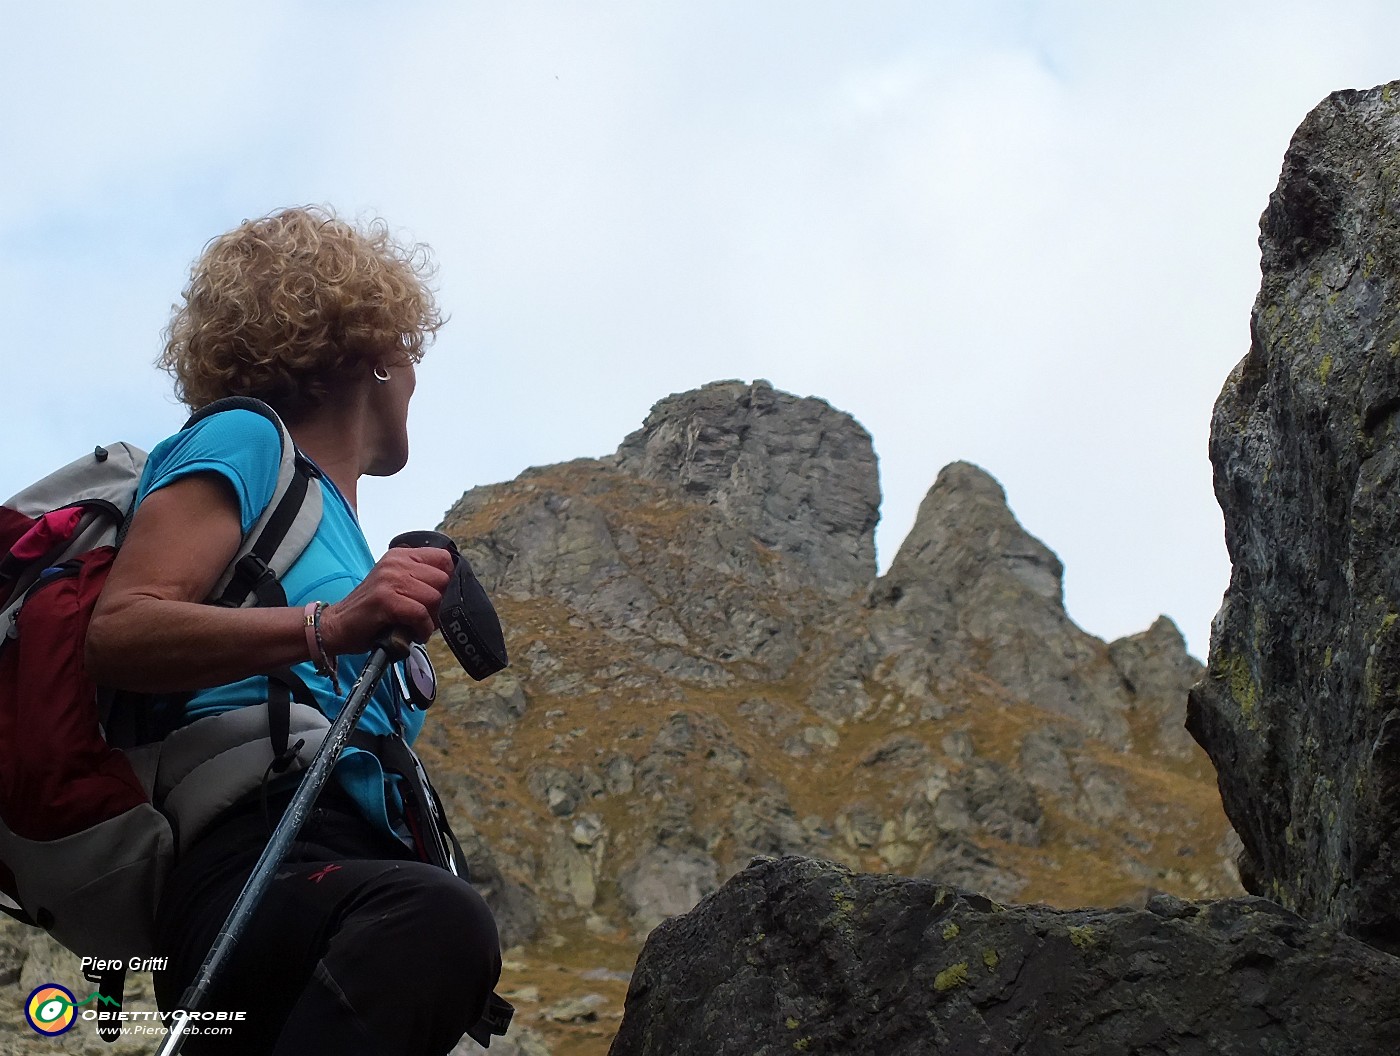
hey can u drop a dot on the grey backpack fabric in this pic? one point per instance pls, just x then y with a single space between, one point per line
96 889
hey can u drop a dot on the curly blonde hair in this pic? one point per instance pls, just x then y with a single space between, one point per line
291 306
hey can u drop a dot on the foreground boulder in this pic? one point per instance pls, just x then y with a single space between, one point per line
798 955
1300 711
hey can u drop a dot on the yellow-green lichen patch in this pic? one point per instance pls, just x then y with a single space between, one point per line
1082 937
1371 682
1324 369
950 933
1245 691
950 977
802 1044
791 1023
1282 895
990 958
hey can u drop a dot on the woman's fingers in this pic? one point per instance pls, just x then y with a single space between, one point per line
404 589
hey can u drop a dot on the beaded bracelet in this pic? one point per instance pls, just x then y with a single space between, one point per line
308 624
316 645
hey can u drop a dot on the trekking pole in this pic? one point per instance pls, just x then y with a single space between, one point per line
473 634
394 647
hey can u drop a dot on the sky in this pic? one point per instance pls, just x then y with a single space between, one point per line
1015 233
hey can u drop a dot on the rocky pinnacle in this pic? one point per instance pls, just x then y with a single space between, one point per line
1300 711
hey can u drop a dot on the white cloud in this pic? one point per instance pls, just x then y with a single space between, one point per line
1017 234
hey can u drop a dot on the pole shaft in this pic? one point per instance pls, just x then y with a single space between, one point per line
282 836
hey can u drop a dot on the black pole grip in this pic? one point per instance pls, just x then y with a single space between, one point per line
468 620
396 641
417 539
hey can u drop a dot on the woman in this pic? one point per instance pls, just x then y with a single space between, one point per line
358 947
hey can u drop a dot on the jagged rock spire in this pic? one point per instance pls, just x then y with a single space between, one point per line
976 589
796 472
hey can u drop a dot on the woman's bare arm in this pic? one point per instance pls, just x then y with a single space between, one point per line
151 633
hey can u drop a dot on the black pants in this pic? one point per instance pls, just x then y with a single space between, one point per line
356 948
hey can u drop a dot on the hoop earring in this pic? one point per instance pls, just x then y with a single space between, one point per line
381 375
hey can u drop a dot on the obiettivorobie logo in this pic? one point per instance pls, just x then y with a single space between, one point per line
52 1009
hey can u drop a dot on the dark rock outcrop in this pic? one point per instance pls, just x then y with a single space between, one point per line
795 955
1300 709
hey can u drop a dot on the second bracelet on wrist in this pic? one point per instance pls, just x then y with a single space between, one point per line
316 643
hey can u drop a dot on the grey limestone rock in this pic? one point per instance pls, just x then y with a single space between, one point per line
1044 763
955 861
794 955
861 826
715 578
1002 803
767 824
798 474
1159 673
1300 706
495 704
899 751
839 693
665 881
970 584
519 1041
560 790
1102 798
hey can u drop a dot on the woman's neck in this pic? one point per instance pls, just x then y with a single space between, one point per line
334 438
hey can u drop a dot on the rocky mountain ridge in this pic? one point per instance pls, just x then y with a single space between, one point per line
1299 710
818 794
707 669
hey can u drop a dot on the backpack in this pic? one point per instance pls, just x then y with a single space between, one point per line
84 849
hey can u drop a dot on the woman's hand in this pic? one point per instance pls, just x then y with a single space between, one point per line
403 590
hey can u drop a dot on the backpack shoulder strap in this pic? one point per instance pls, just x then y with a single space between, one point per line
68 512
285 527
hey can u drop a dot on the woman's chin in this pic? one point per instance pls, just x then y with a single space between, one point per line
388 465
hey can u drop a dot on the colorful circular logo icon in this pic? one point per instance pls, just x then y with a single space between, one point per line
50 1009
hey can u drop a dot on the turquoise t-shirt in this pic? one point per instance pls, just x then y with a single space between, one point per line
245 449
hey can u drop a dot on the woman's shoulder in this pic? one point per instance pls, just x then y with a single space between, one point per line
235 427
242 446
236 436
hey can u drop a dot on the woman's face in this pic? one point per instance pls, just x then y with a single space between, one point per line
389 419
